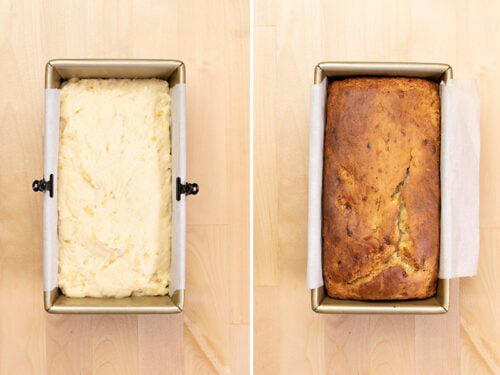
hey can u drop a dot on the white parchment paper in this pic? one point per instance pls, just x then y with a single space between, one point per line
178 259
51 149
460 149
316 138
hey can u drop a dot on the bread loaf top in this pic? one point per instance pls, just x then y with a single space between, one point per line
381 188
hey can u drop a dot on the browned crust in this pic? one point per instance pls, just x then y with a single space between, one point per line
381 190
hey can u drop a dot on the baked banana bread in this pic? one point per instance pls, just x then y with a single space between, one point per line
381 188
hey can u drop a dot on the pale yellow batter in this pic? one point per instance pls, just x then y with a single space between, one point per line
114 193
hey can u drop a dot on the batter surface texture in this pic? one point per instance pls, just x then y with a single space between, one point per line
114 188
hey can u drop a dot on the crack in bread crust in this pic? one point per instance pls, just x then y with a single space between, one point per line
402 227
403 232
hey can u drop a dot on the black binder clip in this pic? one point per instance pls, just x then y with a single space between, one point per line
187 189
42 185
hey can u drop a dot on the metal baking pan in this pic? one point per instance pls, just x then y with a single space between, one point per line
173 71
438 304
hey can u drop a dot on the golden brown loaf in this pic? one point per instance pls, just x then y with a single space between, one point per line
381 189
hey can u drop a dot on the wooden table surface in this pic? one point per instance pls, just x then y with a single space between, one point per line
212 335
291 37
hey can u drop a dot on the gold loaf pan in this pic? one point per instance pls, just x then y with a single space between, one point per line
58 71
438 304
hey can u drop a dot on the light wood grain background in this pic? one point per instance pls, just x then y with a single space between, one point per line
212 335
291 37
